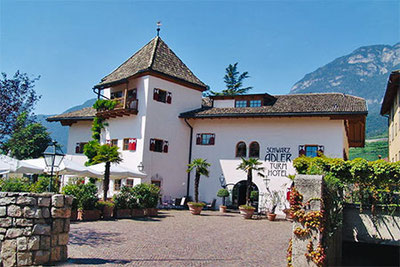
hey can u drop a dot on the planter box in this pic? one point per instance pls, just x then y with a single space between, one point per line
74 215
108 212
137 213
123 213
246 213
151 212
88 215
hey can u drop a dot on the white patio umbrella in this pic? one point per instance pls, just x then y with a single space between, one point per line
67 167
118 171
19 166
4 168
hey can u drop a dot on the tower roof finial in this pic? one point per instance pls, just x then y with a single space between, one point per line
158 27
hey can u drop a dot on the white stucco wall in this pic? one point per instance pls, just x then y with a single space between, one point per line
268 132
78 132
224 103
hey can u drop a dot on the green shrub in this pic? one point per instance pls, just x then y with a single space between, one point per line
14 185
197 204
104 104
124 199
223 193
42 184
254 195
72 190
148 195
246 207
85 195
101 204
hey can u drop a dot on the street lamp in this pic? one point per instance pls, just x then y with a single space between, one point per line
222 181
53 157
140 167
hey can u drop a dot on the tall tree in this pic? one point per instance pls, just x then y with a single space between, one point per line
17 95
233 80
29 140
250 165
201 166
104 154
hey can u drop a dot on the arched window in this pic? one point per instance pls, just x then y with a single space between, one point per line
241 150
254 150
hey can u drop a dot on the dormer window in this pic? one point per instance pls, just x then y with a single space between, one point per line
255 103
241 103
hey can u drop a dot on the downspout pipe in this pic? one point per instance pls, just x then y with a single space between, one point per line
190 158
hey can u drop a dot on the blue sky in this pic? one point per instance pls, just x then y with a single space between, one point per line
73 44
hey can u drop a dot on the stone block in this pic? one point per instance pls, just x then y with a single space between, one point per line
3 211
54 240
64 253
22 243
27 231
24 258
63 239
60 212
41 257
25 200
69 200
14 232
57 200
32 212
9 245
66 225
14 211
3 230
1 239
44 202
9 259
45 242
41 229
55 254
24 222
58 226
5 222
45 213
34 243
7 201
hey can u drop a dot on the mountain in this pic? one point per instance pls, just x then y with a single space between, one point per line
56 130
364 73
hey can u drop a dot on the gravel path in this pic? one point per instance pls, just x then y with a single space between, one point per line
177 238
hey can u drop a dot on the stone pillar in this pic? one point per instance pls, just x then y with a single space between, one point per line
310 186
33 228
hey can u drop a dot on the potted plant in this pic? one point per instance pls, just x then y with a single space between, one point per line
87 210
121 200
107 208
223 193
201 167
72 189
246 211
274 203
271 213
148 196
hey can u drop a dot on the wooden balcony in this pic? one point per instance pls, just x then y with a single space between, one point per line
124 107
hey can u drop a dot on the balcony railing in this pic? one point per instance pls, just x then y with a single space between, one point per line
124 107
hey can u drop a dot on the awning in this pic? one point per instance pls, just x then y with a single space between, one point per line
117 171
19 166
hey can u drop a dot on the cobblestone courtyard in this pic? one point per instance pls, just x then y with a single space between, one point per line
177 238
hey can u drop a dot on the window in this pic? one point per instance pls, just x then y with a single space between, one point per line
254 150
241 150
117 94
162 96
156 183
114 142
79 147
158 145
205 139
129 144
255 103
311 150
117 184
129 183
131 94
241 103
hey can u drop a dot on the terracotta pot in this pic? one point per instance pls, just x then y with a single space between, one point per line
195 210
108 212
88 215
151 212
246 213
271 216
137 213
123 213
74 215
222 209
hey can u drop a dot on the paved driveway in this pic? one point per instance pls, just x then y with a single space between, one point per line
177 238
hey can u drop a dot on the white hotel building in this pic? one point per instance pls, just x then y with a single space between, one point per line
163 122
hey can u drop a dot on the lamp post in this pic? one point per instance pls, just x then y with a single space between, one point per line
53 157
140 167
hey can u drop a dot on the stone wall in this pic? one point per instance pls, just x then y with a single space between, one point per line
33 228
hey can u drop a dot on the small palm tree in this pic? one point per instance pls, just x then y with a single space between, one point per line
250 165
201 166
108 154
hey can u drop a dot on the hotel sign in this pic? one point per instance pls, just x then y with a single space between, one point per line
278 159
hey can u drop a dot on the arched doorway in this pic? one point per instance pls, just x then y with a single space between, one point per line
239 193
